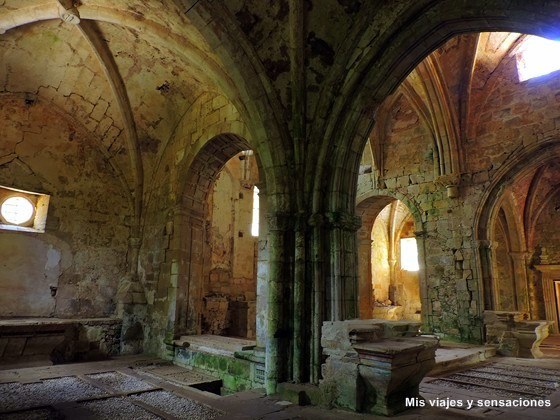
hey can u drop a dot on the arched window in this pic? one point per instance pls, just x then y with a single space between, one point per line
255 221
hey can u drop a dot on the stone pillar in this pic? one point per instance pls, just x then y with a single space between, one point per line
426 303
300 314
343 280
277 359
319 295
364 273
262 271
392 266
484 254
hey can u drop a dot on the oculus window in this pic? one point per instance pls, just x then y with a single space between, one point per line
23 210
537 57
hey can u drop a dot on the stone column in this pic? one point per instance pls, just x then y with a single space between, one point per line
392 265
319 296
262 272
300 315
277 359
364 272
484 254
426 303
343 281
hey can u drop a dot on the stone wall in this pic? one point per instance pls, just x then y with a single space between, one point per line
59 341
161 256
510 119
59 272
547 231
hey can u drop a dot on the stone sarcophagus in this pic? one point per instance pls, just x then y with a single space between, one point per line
373 366
514 335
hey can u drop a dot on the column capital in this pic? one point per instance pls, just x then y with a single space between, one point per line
343 220
420 233
482 244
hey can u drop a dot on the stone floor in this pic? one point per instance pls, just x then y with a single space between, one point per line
141 387
551 346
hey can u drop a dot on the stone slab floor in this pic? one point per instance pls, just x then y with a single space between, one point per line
147 388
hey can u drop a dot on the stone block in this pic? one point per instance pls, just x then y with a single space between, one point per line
15 347
42 345
3 345
341 386
336 335
392 370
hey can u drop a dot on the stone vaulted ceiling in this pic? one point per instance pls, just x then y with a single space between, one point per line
127 72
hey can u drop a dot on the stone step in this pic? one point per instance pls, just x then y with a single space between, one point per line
449 359
215 344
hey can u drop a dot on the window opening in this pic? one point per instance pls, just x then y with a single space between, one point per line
409 254
21 210
17 210
255 221
538 56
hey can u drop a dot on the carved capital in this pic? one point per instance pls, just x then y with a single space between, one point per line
343 220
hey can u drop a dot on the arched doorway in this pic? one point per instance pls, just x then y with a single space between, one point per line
519 234
391 261
229 297
215 266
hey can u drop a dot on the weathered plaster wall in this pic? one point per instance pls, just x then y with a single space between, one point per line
547 231
83 252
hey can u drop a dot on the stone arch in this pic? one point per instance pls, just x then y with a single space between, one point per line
507 223
487 213
189 230
241 88
368 207
381 71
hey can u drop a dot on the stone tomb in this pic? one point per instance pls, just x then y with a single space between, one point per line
372 366
55 340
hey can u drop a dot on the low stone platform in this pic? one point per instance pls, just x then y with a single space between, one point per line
215 344
453 356
56 340
231 359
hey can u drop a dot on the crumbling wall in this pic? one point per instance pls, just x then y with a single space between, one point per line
210 115
74 268
547 231
510 119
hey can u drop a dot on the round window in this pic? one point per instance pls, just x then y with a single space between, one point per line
17 210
